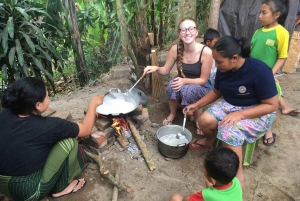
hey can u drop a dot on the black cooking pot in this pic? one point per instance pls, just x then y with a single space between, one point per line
169 151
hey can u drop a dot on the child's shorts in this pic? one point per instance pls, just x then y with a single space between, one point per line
246 129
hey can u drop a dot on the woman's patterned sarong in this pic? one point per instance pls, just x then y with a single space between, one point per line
65 161
246 129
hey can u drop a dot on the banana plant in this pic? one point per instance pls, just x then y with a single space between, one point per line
26 48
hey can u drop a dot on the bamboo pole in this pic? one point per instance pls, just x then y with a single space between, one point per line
107 174
158 86
141 145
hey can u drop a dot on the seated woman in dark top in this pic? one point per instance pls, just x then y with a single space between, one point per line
40 155
194 61
248 104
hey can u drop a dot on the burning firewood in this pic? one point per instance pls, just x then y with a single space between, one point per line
115 192
107 174
141 145
121 127
122 141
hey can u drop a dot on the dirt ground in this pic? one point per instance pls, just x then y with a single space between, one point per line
273 175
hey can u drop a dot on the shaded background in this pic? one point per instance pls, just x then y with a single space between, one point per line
240 17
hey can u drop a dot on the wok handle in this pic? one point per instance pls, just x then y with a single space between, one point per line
119 91
136 82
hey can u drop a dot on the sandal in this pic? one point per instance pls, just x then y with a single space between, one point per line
292 113
167 122
197 146
267 143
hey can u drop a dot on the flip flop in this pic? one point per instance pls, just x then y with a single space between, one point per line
167 122
72 191
267 139
196 146
293 113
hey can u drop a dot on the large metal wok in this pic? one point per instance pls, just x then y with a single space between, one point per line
118 103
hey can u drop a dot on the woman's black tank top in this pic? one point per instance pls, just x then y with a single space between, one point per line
192 70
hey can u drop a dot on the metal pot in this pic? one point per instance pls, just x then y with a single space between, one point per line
117 103
173 151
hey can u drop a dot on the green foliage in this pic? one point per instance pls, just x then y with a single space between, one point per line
35 41
100 35
26 47
148 108
203 8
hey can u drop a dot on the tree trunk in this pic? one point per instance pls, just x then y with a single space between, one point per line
186 8
214 14
70 13
160 33
124 32
143 48
153 21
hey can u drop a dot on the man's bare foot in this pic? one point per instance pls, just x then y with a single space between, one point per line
73 187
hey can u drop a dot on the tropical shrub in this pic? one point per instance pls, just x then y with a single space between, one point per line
27 49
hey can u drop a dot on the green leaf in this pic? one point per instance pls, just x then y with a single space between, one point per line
23 12
40 11
25 70
17 71
29 42
41 68
52 49
47 56
4 72
11 56
38 30
10 27
2 55
19 52
5 40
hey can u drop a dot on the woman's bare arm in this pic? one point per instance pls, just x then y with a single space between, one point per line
85 128
164 70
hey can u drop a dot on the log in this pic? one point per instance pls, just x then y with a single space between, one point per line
122 141
141 145
115 191
107 174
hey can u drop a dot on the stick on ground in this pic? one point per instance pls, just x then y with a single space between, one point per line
116 192
107 174
141 145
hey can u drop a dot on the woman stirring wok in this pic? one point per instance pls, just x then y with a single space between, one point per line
247 108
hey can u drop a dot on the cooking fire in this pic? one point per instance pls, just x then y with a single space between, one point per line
121 126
